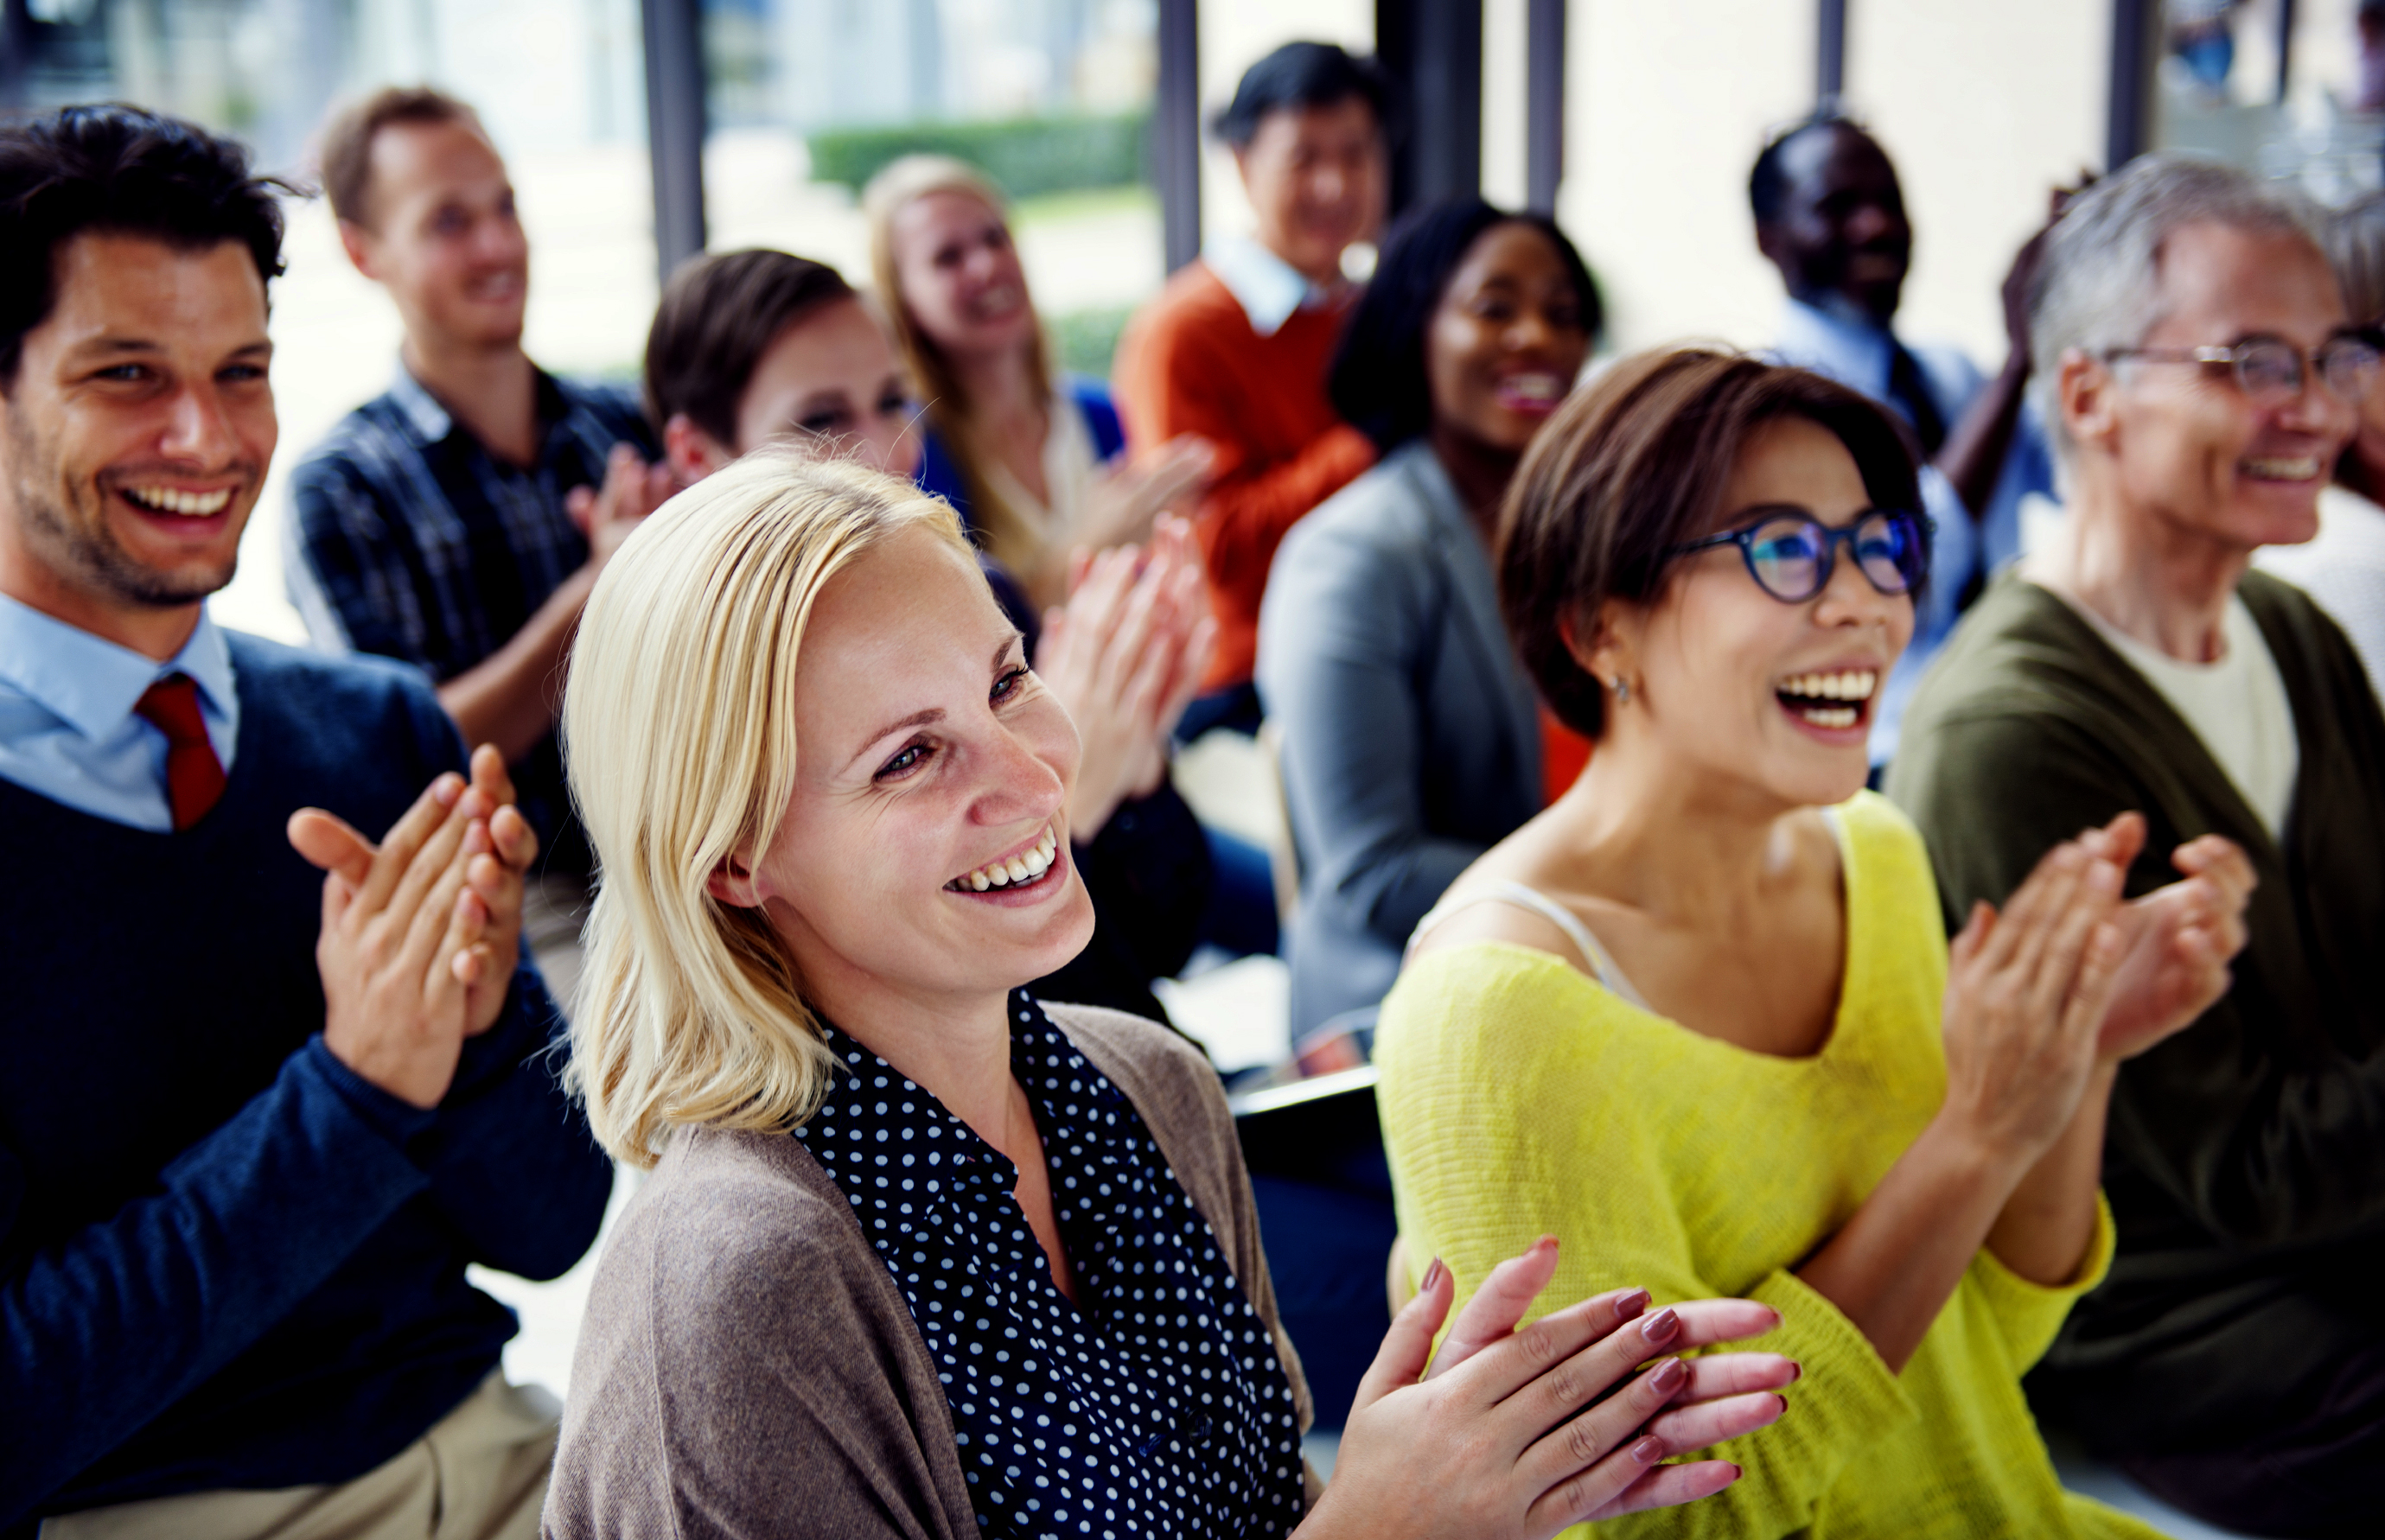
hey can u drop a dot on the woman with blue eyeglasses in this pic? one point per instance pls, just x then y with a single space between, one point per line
1700 1020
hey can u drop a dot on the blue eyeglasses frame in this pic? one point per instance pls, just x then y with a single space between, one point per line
1916 528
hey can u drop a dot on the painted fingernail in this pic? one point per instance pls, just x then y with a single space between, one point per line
1649 1450
1796 1373
1431 1277
1630 1305
1660 1327
1668 1377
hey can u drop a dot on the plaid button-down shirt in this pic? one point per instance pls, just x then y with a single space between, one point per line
412 542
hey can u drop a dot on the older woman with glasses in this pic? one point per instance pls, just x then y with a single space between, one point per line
921 1256
1700 1020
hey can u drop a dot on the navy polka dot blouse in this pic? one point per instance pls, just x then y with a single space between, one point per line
1160 1407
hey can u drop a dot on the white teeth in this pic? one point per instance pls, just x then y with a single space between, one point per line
2302 469
173 499
1025 867
1829 716
1855 684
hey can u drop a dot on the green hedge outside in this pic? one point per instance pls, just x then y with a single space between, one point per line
1083 341
1024 155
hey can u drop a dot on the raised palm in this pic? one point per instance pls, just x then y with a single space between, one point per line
2180 938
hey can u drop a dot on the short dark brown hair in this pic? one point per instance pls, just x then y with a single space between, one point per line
1634 465
123 171
719 315
348 140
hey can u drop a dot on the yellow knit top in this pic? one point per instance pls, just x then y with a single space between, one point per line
1520 1097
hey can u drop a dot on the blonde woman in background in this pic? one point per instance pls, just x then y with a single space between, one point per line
1034 462
896 1271
1036 467
2344 567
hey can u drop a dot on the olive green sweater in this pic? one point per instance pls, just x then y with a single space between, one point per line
2245 1163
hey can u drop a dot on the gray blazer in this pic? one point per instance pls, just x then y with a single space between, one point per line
1411 734
747 1370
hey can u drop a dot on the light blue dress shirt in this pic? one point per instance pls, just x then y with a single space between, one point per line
1858 356
67 727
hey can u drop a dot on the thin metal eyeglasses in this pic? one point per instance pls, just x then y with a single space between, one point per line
1790 554
2270 370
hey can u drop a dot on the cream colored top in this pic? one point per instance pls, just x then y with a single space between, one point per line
2237 707
1068 471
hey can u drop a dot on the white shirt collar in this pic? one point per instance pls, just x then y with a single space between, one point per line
1266 287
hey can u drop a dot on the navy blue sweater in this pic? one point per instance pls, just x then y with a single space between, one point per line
225 1260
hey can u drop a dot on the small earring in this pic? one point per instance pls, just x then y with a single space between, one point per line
1622 690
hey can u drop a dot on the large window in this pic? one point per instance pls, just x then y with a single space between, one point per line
807 98
2292 92
561 85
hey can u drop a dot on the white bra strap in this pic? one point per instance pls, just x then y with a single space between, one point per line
1500 890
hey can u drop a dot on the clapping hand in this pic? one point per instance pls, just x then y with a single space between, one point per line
605 516
2027 994
421 932
1124 657
2177 940
1126 501
1523 1433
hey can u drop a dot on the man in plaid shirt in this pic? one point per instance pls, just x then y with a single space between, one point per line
459 522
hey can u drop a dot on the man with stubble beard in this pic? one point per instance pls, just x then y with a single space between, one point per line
256 1120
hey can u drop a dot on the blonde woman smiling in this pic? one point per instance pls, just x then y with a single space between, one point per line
921 1256
1689 1018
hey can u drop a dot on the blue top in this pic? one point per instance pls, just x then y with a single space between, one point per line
227 1261
415 542
67 727
1159 1408
939 474
1859 357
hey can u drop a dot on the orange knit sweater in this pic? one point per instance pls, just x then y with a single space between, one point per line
1190 363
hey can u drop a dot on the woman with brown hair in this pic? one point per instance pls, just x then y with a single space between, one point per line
1034 463
1700 1020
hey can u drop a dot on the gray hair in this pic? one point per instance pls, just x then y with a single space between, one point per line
2099 287
2355 244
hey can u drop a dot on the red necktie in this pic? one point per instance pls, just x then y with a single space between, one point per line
194 777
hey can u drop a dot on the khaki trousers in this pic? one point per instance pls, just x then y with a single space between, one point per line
479 1473
554 908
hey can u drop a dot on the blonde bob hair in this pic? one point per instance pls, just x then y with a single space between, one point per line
680 731
1006 533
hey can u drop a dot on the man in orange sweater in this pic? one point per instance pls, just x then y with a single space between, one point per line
1235 349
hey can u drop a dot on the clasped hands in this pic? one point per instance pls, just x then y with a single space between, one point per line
420 934
2069 980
